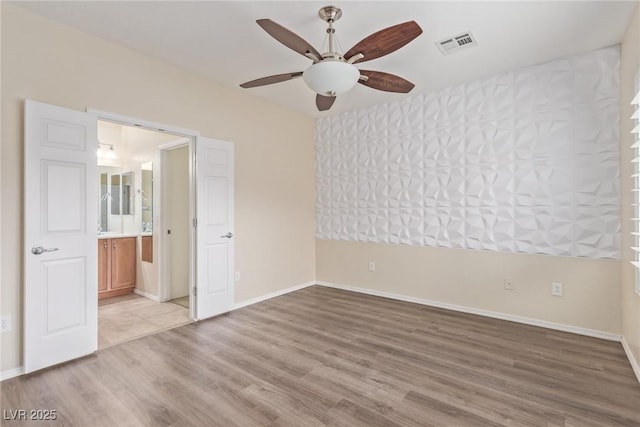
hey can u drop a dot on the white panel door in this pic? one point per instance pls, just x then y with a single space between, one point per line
214 235
60 254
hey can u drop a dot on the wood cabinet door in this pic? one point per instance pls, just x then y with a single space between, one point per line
147 248
104 264
123 262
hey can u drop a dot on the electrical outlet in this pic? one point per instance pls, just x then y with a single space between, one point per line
372 266
556 289
5 323
508 284
236 277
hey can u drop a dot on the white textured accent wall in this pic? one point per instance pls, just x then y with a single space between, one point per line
526 161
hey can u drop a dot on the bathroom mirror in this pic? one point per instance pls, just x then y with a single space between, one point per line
109 218
146 197
115 194
103 212
126 193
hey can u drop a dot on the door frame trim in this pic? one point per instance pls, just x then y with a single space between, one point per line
146 124
192 135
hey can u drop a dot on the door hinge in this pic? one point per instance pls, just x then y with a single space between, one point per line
195 222
195 291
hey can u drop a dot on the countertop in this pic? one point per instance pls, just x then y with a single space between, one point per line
110 235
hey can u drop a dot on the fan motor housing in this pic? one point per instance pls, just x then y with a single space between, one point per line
330 13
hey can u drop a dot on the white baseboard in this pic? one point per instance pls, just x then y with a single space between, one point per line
272 295
146 295
635 365
10 373
464 309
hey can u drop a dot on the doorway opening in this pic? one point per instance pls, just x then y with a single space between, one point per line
64 218
144 232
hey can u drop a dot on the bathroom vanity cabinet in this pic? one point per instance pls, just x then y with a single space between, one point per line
116 266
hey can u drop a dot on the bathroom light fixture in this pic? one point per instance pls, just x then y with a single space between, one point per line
108 145
111 153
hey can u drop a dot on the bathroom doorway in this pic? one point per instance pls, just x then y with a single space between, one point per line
135 223
111 253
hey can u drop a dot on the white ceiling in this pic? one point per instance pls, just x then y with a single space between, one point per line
221 41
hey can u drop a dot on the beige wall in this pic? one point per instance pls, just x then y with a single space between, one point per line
475 279
51 63
629 69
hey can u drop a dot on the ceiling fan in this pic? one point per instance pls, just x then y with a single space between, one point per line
333 73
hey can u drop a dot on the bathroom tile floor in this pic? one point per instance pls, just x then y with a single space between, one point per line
124 318
183 301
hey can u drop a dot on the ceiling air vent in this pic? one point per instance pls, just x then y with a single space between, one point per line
456 43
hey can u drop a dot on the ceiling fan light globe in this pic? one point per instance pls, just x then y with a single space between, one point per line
331 78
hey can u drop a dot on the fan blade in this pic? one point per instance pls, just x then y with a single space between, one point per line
271 79
324 102
386 82
385 41
288 38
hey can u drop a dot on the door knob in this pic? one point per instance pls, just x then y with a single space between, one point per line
228 235
38 250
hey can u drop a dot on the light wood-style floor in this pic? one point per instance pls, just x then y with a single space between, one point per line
321 356
127 317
